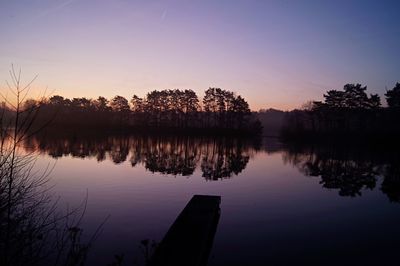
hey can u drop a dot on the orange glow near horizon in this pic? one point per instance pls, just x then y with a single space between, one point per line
273 54
38 92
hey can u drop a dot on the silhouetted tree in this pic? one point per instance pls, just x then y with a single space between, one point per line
138 111
224 109
189 106
355 96
137 104
341 112
335 99
210 106
82 104
33 231
121 109
119 104
393 97
374 101
154 107
172 110
101 104
240 111
57 100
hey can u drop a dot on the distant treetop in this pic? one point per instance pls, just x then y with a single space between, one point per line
353 96
393 96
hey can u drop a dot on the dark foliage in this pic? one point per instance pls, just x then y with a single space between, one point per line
218 158
348 169
393 97
33 230
348 114
169 110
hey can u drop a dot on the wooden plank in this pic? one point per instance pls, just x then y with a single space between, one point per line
189 240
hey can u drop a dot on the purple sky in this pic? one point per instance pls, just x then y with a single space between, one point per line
274 53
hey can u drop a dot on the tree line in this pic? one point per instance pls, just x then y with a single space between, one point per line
219 110
350 111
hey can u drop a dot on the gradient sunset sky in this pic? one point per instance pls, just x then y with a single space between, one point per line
274 53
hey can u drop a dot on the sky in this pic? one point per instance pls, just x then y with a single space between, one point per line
276 54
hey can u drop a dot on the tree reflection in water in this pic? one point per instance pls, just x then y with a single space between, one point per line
348 170
217 157
391 184
221 162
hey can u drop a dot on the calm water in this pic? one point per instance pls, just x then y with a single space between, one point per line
281 205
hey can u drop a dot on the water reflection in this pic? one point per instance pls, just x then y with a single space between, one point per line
348 170
218 158
391 183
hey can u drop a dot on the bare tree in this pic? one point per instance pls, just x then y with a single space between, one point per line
31 225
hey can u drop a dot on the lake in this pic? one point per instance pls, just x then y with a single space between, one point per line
281 204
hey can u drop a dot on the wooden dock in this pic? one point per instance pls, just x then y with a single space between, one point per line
189 240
